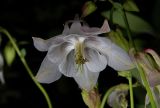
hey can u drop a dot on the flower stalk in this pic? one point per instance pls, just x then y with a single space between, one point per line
131 90
127 75
129 34
4 31
146 84
131 44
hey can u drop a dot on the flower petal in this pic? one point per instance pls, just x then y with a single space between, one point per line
75 27
95 31
153 77
66 29
43 45
68 67
118 59
56 53
117 96
96 62
86 79
48 72
98 43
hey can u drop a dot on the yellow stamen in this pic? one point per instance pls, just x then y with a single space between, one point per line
79 55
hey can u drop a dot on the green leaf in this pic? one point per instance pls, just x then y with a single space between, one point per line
137 24
117 5
9 53
129 5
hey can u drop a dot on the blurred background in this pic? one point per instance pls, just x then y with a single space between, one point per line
45 18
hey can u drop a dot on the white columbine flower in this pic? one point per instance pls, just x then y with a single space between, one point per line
79 53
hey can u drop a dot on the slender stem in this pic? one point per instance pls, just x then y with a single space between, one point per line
142 74
105 97
131 43
26 66
131 91
146 84
111 15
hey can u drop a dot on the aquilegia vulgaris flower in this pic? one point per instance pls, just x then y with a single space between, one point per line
79 53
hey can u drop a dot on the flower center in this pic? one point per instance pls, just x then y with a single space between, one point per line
79 53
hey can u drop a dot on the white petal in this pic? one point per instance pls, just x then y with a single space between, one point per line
56 53
98 43
118 59
95 31
86 79
66 29
68 67
43 45
75 27
96 62
48 72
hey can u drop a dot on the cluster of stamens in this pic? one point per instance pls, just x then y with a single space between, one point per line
79 53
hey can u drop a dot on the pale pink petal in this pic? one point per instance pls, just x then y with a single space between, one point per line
68 66
95 61
48 72
95 31
118 59
99 43
57 53
66 29
75 27
153 77
43 45
86 79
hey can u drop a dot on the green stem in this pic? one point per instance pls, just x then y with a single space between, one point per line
131 91
131 43
111 15
146 84
105 97
139 68
26 66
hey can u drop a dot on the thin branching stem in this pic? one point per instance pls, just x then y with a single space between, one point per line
4 31
105 97
146 84
131 90
131 44
129 33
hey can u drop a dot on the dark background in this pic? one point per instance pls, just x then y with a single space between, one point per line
45 18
